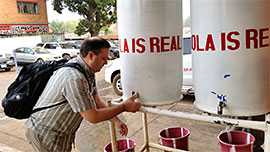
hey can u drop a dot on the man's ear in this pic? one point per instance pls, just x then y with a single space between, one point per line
91 55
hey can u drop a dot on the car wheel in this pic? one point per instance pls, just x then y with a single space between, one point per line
116 55
7 69
12 60
117 87
66 56
110 56
40 61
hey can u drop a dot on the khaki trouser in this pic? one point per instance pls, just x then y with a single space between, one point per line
34 140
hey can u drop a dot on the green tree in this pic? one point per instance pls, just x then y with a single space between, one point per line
70 26
96 14
57 26
61 27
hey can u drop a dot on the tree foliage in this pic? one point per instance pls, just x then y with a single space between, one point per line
96 14
62 27
57 27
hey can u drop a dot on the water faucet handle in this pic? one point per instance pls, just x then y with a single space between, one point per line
220 107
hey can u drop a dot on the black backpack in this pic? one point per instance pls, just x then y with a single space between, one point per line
24 92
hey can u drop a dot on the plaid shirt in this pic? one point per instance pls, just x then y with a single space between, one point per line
57 126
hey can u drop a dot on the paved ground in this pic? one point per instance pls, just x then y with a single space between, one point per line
92 138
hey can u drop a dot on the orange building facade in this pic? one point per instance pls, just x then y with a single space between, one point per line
23 16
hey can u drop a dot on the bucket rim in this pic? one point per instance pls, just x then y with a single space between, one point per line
166 138
129 139
242 145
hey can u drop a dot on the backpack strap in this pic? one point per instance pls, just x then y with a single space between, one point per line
72 65
78 67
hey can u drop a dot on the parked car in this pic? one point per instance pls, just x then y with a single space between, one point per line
76 44
69 45
65 49
112 71
114 51
26 55
6 63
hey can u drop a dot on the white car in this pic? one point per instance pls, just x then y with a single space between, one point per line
112 71
6 63
26 55
114 50
65 49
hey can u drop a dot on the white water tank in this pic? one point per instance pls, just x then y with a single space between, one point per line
231 56
150 34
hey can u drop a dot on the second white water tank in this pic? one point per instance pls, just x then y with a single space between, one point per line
231 55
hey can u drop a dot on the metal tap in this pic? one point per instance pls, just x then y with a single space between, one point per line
222 103
220 107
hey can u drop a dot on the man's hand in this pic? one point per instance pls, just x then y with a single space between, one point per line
132 104
123 129
103 113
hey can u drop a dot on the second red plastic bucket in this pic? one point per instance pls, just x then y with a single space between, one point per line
174 137
123 145
236 141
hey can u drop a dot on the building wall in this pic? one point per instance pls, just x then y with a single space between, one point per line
9 13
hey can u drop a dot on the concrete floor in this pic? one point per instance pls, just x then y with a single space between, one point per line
92 138
203 136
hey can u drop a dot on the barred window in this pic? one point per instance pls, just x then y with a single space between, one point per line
27 8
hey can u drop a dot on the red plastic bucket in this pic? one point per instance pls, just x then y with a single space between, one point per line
174 137
123 145
236 141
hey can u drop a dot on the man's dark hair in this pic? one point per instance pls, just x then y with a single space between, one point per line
93 45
